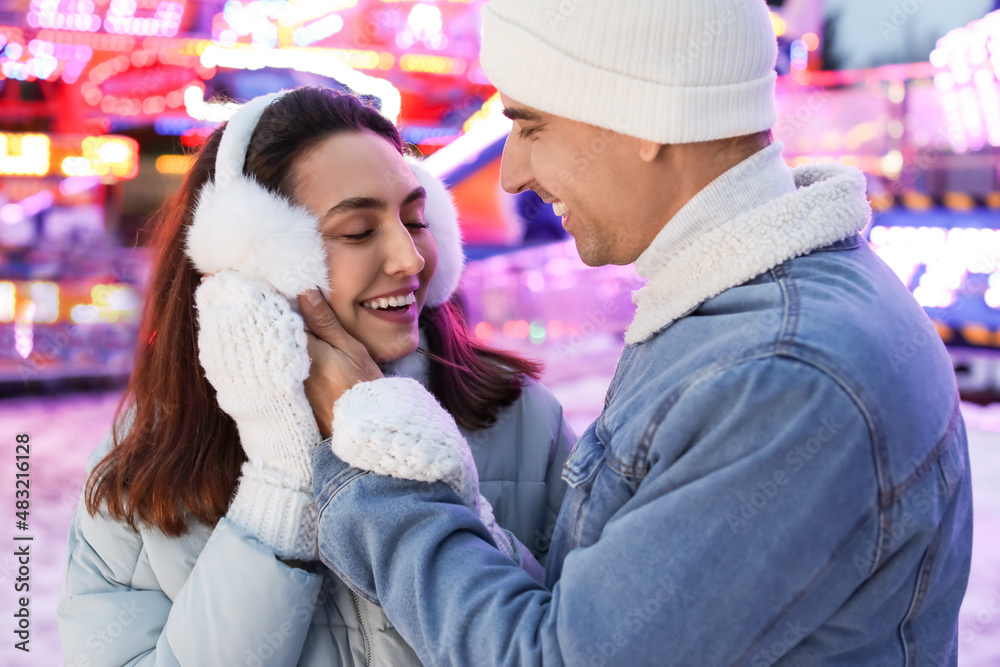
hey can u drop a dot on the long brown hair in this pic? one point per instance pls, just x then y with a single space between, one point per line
176 453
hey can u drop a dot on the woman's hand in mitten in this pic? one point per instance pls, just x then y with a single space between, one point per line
252 346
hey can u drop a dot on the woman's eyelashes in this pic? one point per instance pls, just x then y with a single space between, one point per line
417 225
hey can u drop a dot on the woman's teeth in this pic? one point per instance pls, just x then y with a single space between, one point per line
560 208
390 302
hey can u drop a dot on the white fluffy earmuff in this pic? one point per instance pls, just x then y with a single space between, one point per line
442 218
238 225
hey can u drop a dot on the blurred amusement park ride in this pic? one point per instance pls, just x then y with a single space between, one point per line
103 101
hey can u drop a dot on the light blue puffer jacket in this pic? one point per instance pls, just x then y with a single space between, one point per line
217 598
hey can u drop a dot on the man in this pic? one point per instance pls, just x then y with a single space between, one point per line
771 480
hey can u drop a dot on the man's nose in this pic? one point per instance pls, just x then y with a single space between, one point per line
515 165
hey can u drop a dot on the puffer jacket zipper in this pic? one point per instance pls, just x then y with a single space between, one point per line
364 630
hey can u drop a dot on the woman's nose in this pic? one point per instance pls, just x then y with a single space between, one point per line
401 255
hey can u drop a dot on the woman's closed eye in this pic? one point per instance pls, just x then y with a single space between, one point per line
360 236
417 225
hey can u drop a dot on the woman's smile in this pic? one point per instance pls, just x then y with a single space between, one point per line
398 307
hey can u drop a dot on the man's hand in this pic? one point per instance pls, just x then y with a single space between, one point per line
339 361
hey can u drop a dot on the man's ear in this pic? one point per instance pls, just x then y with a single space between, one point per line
649 150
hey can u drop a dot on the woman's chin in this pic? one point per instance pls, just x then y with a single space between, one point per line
385 351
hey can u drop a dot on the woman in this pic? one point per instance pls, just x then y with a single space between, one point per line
195 540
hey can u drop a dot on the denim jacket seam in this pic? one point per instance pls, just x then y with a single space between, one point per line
919 593
887 492
763 351
790 294
343 577
619 371
336 485
933 457
855 242
835 556
759 353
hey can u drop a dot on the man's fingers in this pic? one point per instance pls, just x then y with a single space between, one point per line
323 323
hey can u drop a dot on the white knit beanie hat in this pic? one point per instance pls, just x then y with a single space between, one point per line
669 71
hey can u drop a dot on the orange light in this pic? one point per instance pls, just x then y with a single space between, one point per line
977 334
411 62
24 154
112 155
811 41
946 332
174 164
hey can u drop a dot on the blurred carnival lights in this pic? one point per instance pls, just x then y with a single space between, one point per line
968 65
120 17
324 62
7 294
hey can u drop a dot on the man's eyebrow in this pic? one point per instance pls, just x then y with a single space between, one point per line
367 203
417 194
520 113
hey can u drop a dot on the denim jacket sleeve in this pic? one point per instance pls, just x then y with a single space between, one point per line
693 567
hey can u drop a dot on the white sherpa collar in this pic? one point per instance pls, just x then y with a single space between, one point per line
701 253
239 225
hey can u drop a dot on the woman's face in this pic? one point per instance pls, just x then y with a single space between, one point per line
370 208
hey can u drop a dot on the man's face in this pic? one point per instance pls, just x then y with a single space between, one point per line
594 177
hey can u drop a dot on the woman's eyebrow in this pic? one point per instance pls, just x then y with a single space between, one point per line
355 204
373 203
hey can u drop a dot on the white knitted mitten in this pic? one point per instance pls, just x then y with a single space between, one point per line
252 346
395 427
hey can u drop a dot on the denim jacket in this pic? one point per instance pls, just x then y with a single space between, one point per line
779 474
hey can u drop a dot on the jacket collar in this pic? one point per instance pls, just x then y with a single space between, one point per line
750 219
